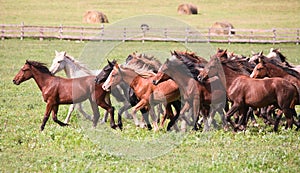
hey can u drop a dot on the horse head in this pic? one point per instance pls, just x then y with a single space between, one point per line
58 62
24 74
103 75
113 79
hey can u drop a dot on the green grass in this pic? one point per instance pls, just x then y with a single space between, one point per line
78 148
241 13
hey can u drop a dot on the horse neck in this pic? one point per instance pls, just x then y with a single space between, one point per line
71 68
128 75
182 79
230 76
274 71
41 79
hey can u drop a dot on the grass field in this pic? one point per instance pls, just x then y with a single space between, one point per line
77 148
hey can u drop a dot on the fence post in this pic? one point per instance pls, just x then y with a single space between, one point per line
102 33
166 33
22 31
187 30
41 34
274 36
61 30
2 32
209 35
251 36
124 35
81 34
297 37
229 34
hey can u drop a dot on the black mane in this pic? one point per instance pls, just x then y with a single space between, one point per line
40 66
285 68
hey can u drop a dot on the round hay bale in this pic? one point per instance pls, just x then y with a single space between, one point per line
221 28
187 9
95 17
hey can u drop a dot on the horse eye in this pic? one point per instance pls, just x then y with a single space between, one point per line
60 61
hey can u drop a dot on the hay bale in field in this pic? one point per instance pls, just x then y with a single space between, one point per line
95 17
187 9
221 28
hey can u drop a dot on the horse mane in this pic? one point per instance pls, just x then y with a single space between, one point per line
142 59
281 66
191 61
192 57
40 66
235 66
144 71
78 64
282 57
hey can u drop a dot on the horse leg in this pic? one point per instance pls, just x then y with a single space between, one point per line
230 113
80 109
54 116
110 110
196 112
141 104
289 114
46 115
71 109
173 119
145 114
154 118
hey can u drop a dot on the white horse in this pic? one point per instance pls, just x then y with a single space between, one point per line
73 69
280 58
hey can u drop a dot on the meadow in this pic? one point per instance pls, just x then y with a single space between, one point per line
79 148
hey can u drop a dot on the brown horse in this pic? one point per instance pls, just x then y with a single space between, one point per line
267 67
247 92
242 93
147 93
196 96
57 90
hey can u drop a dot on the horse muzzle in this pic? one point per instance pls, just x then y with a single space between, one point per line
155 82
16 82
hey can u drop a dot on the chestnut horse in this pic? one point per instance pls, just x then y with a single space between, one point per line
245 92
147 93
196 95
57 90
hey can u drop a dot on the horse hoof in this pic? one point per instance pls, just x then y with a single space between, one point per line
120 125
114 126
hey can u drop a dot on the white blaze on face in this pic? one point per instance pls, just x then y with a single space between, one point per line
57 62
106 84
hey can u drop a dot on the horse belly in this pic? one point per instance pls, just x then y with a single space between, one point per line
75 91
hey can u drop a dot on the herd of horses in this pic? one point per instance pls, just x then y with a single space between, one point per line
186 88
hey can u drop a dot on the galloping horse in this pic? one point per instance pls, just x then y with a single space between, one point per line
148 94
57 90
243 91
196 95
270 68
73 69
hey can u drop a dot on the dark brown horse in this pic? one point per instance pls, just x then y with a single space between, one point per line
196 96
267 67
244 94
57 90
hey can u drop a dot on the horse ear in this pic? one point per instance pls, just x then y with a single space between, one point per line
65 53
253 53
167 60
260 53
109 63
56 53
